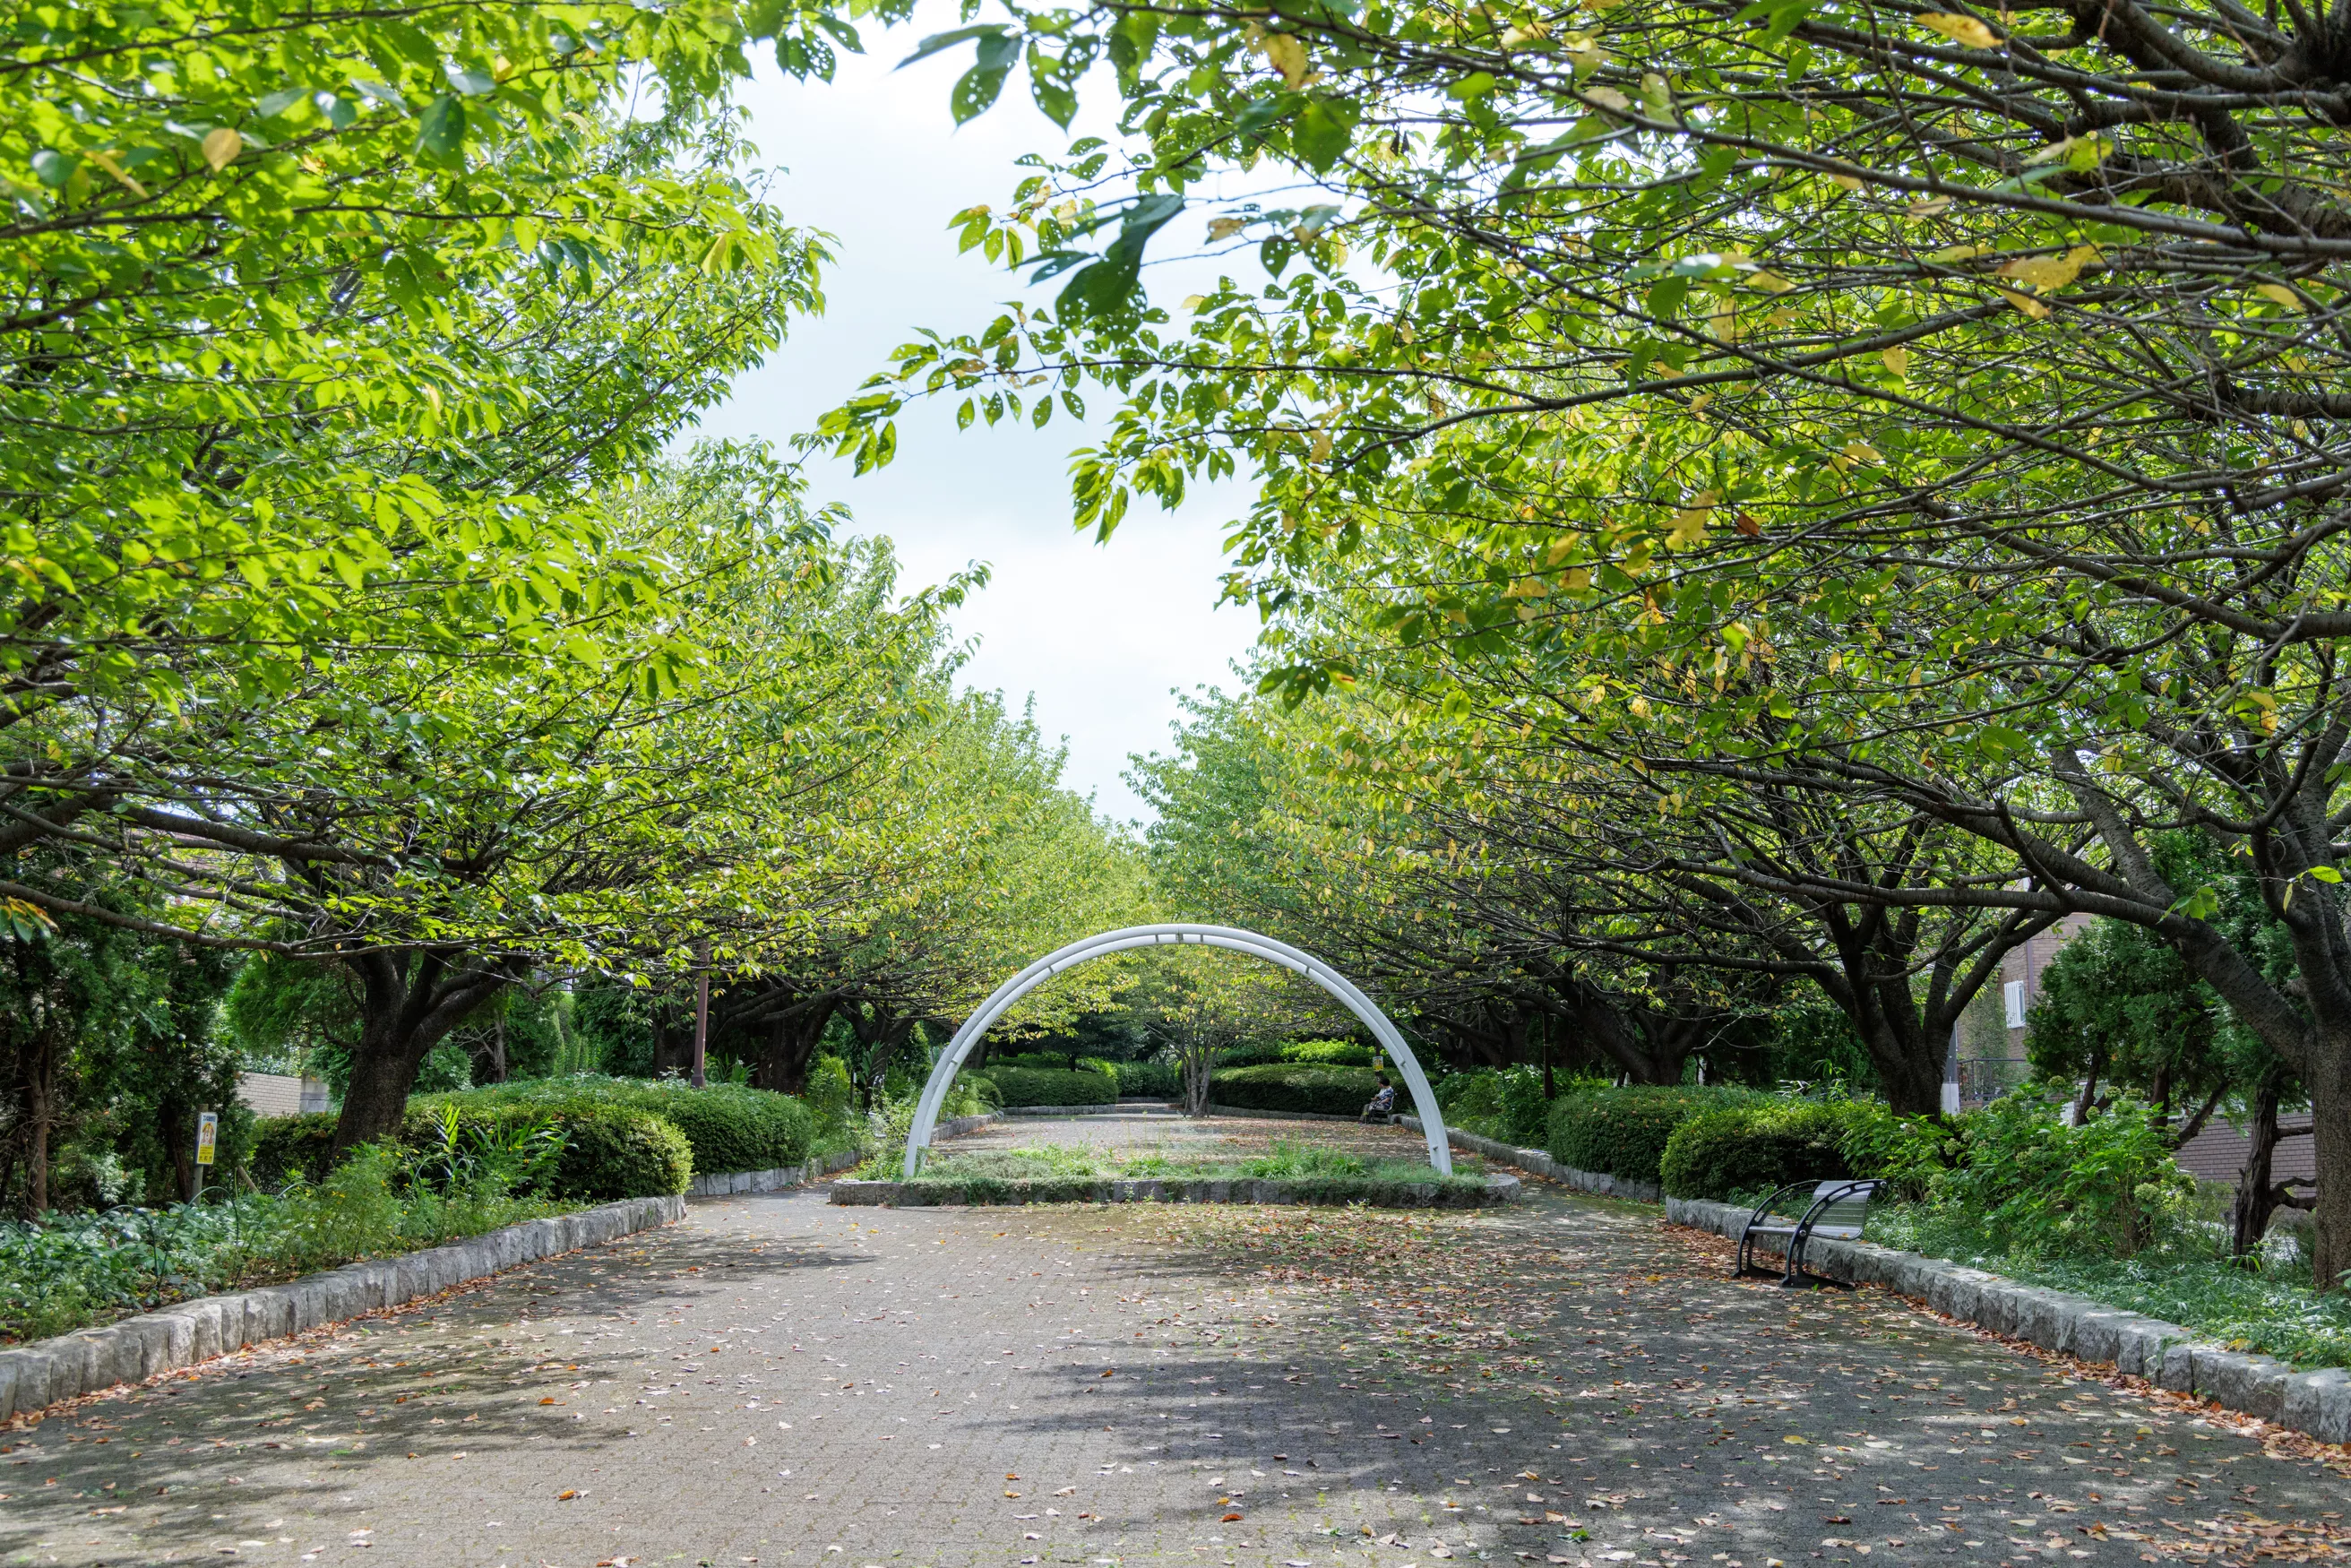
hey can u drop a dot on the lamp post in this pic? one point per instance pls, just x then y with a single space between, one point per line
701 1013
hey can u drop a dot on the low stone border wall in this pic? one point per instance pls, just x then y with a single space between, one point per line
50 1371
1110 1109
1498 1189
2166 1354
720 1184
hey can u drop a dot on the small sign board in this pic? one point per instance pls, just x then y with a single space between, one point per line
207 1135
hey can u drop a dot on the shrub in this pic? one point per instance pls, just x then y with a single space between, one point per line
1259 1053
1498 1103
1623 1131
729 1126
1162 1080
610 1149
284 1147
1751 1149
2108 1188
971 1093
611 1152
1331 1053
1293 1086
1051 1086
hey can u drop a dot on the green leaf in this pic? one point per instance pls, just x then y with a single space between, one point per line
1323 132
938 41
54 168
441 130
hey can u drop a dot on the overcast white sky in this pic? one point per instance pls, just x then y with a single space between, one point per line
1099 634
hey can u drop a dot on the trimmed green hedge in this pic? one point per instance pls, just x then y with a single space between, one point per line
1164 1079
1294 1086
1331 1053
609 1150
287 1146
1623 1131
729 1126
1748 1150
1048 1086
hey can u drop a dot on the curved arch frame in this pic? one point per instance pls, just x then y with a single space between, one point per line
975 1028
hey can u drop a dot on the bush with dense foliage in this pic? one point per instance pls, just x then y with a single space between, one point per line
729 1126
1331 1053
613 1148
1505 1103
1294 1086
1623 1131
1157 1080
1053 1086
1748 1150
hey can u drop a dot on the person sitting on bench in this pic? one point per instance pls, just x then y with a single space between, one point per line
1383 1103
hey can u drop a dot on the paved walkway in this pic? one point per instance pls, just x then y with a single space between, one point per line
777 1381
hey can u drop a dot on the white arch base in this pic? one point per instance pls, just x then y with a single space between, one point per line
975 1028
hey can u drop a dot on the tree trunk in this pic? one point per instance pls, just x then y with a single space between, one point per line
2248 1219
408 1002
792 1039
40 1114
2329 1082
1647 1050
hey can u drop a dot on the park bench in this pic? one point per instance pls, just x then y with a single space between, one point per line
1836 1211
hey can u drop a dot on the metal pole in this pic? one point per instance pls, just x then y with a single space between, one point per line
702 1015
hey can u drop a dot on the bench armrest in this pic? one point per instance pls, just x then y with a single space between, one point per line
1764 1209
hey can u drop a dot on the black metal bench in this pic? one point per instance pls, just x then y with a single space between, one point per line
1836 1211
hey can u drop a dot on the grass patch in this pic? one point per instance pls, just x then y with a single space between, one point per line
1310 1166
2271 1310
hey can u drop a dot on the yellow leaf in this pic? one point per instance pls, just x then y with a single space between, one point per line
1859 452
1897 360
1320 450
1561 549
1928 206
1769 282
1846 182
1607 98
1792 1437
1576 579
2280 293
2046 273
1220 227
106 161
1288 56
2026 303
1952 253
1964 30
221 147
1194 301
1689 523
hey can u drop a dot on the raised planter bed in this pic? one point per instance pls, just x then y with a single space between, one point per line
50 1371
1377 1194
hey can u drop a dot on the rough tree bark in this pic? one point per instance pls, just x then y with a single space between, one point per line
410 998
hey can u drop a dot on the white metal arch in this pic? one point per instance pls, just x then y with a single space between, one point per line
934 1092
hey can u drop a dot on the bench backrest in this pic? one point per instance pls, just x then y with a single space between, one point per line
1847 1205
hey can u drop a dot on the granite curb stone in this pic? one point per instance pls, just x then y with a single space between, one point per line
2170 1356
50 1372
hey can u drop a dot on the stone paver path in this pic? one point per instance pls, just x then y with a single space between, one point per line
778 1381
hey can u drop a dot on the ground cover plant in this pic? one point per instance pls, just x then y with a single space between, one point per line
1317 1167
71 1271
